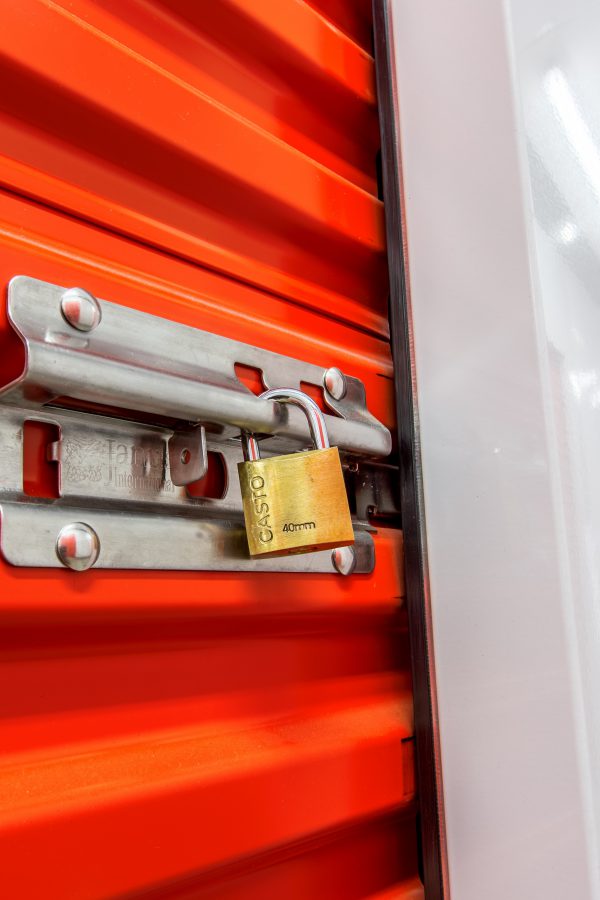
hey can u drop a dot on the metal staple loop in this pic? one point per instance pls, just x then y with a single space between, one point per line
316 420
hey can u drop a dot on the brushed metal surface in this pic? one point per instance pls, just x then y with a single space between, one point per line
295 503
134 540
135 361
188 456
102 460
119 472
132 361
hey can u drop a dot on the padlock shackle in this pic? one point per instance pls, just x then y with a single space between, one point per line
314 416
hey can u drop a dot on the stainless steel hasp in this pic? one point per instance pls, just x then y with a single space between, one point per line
134 410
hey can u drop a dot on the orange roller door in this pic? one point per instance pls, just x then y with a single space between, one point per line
205 734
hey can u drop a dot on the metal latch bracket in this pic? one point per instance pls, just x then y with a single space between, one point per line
139 404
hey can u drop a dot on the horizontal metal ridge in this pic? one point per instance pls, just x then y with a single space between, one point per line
132 540
227 148
135 361
141 789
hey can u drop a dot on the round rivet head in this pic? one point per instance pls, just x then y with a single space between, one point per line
80 309
335 383
77 546
344 560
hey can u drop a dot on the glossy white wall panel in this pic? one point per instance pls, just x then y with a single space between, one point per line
503 231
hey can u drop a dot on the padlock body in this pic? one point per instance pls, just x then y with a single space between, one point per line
295 503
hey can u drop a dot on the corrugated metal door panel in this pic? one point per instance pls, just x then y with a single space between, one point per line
215 735
244 138
354 19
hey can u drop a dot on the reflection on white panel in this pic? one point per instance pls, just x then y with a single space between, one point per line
559 77
499 110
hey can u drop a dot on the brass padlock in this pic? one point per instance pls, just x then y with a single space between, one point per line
295 503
